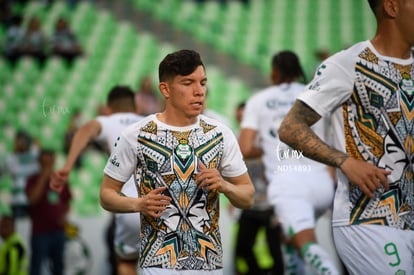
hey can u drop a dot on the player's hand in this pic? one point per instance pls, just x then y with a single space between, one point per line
58 179
210 179
154 203
365 175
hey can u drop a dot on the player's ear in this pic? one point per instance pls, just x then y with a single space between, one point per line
391 7
164 89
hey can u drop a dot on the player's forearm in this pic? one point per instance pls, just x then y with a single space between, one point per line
304 140
117 202
246 142
113 200
240 196
296 132
252 152
78 144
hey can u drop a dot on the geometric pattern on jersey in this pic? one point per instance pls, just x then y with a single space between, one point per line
379 128
187 235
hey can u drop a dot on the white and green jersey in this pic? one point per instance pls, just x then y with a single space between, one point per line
264 113
371 99
112 126
127 226
187 236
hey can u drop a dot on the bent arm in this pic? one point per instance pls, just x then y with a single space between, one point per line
113 200
246 142
83 135
240 191
152 204
296 132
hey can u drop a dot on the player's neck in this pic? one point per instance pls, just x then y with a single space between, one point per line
176 120
391 46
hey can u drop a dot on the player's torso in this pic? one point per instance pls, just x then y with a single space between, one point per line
379 128
188 231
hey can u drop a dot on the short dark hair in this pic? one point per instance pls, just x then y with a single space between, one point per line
23 135
121 98
374 4
182 62
288 65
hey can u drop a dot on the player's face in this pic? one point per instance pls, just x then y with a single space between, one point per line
187 93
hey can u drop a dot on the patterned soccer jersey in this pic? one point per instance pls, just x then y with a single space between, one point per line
187 235
372 101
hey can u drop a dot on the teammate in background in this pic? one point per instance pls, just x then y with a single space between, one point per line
146 99
183 161
300 189
260 215
367 90
121 109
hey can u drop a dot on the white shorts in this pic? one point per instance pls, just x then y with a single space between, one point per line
127 235
375 249
165 271
299 198
127 228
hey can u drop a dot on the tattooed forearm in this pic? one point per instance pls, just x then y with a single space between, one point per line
296 132
340 160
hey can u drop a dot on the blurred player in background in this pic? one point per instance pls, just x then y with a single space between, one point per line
121 113
300 189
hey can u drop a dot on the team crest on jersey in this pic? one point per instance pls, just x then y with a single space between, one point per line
407 85
183 150
184 160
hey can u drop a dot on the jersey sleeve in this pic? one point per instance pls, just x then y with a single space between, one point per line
232 163
330 87
250 118
103 135
122 162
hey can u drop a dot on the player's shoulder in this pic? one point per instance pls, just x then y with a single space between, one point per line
268 93
139 124
129 115
349 54
216 116
261 95
211 122
121 119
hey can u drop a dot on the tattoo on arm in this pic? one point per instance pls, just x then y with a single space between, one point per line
296 132
340 160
